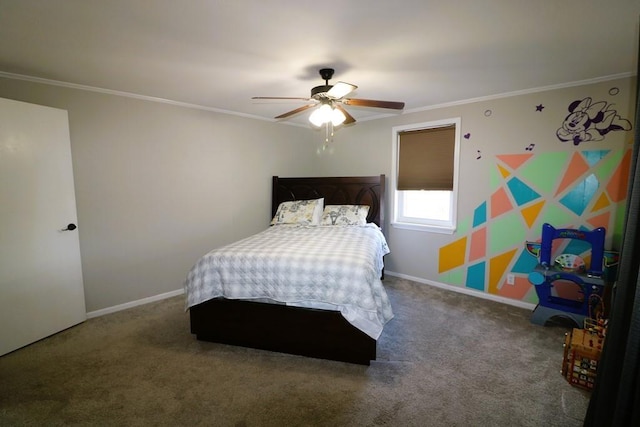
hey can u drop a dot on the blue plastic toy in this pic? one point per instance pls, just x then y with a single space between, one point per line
568 268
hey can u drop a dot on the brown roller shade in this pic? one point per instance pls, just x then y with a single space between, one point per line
425 159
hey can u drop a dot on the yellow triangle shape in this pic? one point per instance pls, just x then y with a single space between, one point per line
497 267
505 173
602 202
530 213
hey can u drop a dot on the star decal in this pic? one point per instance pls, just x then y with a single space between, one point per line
539 107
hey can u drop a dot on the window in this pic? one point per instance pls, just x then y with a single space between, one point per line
425 175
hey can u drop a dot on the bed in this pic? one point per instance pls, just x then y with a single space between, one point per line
288 324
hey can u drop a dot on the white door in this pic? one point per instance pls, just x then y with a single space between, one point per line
41 290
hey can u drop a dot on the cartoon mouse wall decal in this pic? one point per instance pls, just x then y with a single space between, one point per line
589 121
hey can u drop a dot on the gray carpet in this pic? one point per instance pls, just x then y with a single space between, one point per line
446 359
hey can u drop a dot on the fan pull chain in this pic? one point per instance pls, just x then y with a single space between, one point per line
328 138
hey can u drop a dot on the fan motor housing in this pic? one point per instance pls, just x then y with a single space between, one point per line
318 91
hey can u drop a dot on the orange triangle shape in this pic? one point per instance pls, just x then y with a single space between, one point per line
577 166
505 173
514 161
619 182
600 220
516 291
601 203
530 213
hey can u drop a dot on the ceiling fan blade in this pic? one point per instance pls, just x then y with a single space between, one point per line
341 89
349 118
296 111
279 97
374 103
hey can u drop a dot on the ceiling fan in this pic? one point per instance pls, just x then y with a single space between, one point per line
329 98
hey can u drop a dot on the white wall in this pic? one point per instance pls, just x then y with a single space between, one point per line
157 185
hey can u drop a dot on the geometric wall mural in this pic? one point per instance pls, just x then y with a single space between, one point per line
584 189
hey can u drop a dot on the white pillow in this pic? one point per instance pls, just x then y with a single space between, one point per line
317 212
299 212
345 215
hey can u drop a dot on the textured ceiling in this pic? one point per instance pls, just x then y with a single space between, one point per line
217 54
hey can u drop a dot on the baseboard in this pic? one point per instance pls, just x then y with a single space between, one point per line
131 304
467 291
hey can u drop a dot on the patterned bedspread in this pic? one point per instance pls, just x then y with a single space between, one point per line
330 267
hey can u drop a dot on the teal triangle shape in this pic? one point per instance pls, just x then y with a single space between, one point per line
580 196
525 263
594 156
476 277
521 192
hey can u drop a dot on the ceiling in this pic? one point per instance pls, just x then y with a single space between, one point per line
217 54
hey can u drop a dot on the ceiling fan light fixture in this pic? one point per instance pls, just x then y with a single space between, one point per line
337 117
321 116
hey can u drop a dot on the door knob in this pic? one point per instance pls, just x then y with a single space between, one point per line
70 227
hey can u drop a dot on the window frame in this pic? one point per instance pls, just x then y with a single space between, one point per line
398 220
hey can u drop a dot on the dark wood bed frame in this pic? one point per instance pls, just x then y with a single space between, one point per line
307 332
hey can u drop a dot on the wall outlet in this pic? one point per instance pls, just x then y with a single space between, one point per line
511 279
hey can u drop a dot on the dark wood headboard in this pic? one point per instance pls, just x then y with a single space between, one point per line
349 190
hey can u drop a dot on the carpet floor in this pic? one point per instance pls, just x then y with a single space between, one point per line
446 359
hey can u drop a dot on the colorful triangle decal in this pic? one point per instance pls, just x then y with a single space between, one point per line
619 182
577 167
452 255
497 268
579 197
521 192
478 246
594 156
514 161
500 203
601 203
480 214
530 213
504 172
601 220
